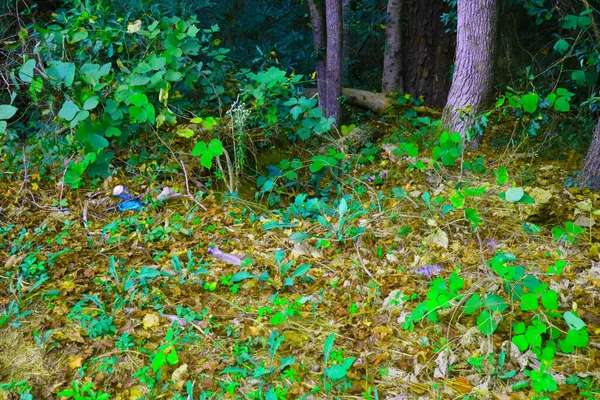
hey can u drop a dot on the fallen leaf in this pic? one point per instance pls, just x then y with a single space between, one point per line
462 384
150 320
133 27
179 375
75 362
439 238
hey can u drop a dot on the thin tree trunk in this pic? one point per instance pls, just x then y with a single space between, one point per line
471 88
429 51
590 173
333 20
391 79
317 17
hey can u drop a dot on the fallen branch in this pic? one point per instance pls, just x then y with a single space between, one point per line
373 101
379 103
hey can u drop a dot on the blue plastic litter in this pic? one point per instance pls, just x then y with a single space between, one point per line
134 205
129 200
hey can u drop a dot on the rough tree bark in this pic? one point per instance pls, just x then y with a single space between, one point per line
429 50
391 79
333 21
317 18
471 88
590 173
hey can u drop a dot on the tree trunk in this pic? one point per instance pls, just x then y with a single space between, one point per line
429 51
333 20
471 88
391 79
317 18
590 173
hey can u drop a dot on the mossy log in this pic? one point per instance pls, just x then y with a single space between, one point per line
376 102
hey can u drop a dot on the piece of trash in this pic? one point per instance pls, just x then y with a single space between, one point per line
129 201
225 257
167 194
174 318
429 270
134 205
123 193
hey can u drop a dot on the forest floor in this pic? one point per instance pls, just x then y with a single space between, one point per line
133 304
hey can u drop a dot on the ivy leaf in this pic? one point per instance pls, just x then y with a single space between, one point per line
199 149
68 110
112 131
157 63
138 80
97 142
7 111
473 304
573 321
91 103
513 195
495 303
486 323
562 104
138 99
173 76
529 302
193 30
296 111
472 217
338 371
185 132
570 22
550 300
79 35
521 342
81 115
26 71
501 176
579 78
209 123
172 357
561 46
215 147
577 338
457 199
584 21
158 361
530 102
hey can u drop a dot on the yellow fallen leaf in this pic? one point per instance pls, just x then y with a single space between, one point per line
295 337
150 320
135 393
178 376
75 362
67 285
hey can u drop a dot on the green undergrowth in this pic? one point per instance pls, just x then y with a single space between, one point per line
407 269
